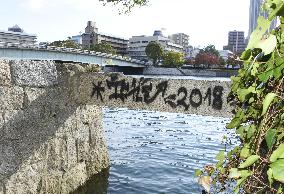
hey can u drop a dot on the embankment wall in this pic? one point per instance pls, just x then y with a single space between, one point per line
48 142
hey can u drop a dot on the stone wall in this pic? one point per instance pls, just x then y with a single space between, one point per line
48 142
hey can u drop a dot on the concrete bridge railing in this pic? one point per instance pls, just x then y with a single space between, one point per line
67 55
51 136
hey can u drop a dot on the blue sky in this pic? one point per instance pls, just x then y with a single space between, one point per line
206 21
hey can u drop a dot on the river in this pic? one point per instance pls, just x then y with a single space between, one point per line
157 152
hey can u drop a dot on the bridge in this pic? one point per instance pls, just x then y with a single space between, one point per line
18 52
51 132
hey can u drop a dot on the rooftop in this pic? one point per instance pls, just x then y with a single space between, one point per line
17 33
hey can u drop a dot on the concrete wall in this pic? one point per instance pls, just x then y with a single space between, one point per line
169 95
188 72
48 142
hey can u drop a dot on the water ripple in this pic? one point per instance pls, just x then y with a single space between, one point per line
154 152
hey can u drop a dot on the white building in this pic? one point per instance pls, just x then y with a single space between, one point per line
191 52
138 44
77 39
225 54
180 39
16 36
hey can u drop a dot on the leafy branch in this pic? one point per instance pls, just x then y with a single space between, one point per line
257 164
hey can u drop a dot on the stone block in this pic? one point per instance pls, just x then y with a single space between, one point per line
74 178
11 98
34 73
33 94
57 154
71 152
25 180
51 182
2 188
5 73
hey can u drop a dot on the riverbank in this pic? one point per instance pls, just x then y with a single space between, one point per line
163 71
189 72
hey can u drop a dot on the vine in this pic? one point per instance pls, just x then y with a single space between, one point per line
257 164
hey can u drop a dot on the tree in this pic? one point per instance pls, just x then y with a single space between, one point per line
103 47
154 51
127 5
172 58
65 43
210 49
208 56
234 60
203 58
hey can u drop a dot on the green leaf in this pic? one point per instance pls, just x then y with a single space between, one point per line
270 176
254 70
220 156
273 70
270 138
245 152
278 153
280 190
246 54
257 34
277 11
265 75
236 190
219 165
277 168
267 101
267 45
241 131
234 123
240 181
197 173
277 72
242 93
249 161
280 137
234 173
251 131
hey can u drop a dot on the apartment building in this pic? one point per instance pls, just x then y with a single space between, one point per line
138 44
180 39
16 36
92 37
236 42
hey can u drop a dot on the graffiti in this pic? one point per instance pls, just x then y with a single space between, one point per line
98 89
144 90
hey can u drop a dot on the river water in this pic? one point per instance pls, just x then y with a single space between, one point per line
157 152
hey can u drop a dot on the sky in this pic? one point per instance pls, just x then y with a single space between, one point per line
205 21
